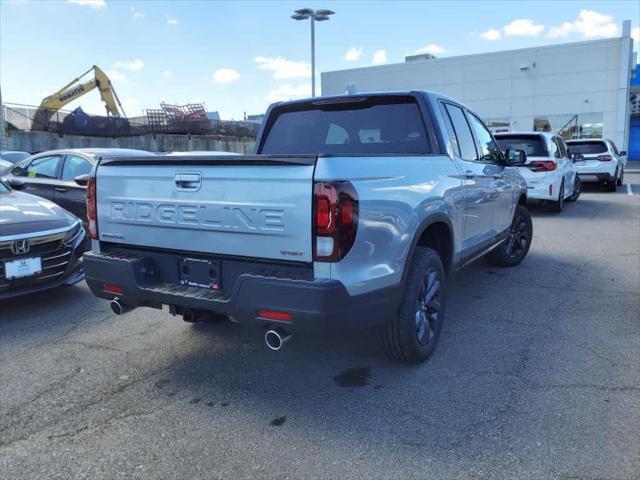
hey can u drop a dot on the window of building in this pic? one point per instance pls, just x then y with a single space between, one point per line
498 125
568 126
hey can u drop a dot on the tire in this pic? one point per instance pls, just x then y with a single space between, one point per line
557 206
577 190
413 335
621 177
612 185
515 248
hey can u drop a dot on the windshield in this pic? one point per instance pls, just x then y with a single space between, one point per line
533 145
587 148
364 126
14 157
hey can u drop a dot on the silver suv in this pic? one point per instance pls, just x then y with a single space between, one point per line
352 213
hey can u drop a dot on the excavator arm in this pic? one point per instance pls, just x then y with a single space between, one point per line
75 89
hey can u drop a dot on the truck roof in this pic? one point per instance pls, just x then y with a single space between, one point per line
401 93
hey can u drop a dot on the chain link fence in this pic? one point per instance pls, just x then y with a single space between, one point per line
78 122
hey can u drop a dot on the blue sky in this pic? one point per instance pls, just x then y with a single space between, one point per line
240 56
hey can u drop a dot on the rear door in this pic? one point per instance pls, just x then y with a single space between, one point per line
479 182
39 175
69 194
565 165
242 206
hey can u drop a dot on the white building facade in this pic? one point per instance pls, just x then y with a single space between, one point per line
576 89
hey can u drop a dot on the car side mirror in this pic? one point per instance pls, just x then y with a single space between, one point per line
82 180
15 183
516 157
622 153
577 157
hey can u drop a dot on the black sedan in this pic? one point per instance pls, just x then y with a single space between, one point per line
41 245
61 175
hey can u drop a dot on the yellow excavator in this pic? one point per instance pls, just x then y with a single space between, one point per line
75 89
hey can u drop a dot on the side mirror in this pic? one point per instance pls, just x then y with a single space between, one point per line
577 157
15 183
622 153
82 180
516 157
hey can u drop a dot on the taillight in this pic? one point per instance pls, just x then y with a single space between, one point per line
92 215
604 158
335 220
542 166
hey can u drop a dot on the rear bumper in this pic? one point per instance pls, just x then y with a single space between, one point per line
314 305
597 171
595 177
541 191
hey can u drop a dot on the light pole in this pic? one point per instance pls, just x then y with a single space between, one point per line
315 16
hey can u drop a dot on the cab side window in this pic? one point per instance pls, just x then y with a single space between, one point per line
75 165
490 151
464 138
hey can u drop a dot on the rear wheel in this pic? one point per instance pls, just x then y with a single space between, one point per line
513 250
612 185
577 189
557 206
412 336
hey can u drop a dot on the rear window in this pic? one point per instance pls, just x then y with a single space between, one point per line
588 148
533 145
365 126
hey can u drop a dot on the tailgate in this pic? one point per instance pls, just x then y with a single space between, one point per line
248 206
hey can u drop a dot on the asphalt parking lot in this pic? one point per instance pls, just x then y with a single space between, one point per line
537 375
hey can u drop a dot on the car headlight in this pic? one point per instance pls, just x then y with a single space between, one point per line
72 235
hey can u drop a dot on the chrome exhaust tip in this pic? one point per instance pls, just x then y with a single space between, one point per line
119 308
275 338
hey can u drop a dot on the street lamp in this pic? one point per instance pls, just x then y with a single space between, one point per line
315 16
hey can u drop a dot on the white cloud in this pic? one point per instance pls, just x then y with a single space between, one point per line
491 34
353 54
523 27
171 21
289 92
432 48
130 104
635 34
225 75
284 68
131 65
379 57
589 24
97 4
167 73
116 75
137 13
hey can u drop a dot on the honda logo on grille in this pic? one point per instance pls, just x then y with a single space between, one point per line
20 247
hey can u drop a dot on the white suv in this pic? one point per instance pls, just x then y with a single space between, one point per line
549 171
598 160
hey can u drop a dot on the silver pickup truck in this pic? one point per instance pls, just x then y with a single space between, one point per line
352 213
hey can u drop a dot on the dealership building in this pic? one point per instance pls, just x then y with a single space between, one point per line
576 89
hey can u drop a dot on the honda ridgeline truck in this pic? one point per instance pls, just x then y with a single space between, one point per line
352 213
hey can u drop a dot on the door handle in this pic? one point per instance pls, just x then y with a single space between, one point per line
187 181
60 189
498 176
469 174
